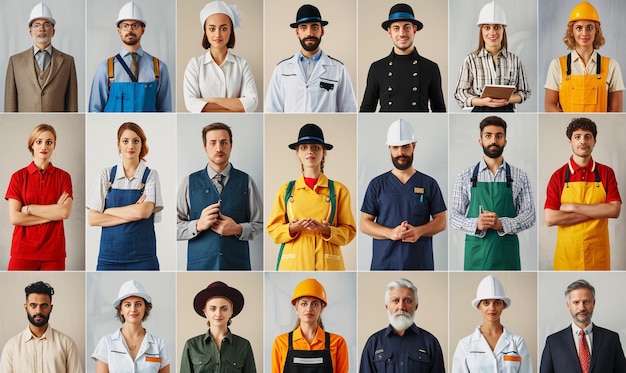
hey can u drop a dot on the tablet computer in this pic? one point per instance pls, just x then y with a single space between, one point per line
498 91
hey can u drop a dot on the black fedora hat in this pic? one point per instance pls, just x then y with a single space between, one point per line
308 13
218 289
310 134
401 12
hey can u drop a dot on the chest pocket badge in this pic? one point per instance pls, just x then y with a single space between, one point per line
327 86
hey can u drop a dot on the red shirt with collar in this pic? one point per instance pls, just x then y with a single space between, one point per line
32 186
578 173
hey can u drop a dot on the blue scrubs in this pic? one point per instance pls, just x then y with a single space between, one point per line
392 202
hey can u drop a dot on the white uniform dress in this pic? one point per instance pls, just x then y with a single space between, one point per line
151 357
232 79
473 355
329 88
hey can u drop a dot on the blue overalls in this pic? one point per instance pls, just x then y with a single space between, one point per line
128 246
131 96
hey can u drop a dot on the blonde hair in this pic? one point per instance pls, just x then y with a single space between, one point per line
571 42
38 131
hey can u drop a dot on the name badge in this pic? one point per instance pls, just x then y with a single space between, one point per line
327 86
418 190
512 358
153 359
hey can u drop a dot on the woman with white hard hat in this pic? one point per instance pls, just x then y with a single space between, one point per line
308 348
312 216
219 80
132 348
491 64
491 347
218 350
583 80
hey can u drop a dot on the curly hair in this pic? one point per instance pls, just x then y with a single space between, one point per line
571 42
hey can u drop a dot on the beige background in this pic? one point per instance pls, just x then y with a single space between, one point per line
431 314
520 318
281 41
374 42
248 41
282 165
248 324
68 313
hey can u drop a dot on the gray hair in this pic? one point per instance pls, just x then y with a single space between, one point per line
401 283
579 284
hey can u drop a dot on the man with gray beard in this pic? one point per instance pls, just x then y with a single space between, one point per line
402 346
40 348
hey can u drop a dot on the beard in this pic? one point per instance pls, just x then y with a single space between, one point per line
311 47
44 319
400 320
493 153
133 41
582 319
402 166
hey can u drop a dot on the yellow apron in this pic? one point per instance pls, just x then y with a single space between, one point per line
580 93
583 246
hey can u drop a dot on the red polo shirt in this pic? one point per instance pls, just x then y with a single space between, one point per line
32 186
577 173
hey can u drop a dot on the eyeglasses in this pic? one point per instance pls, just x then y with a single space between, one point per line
38 25
134 26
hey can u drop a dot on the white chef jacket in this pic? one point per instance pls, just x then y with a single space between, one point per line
151 357
205 78
474 355
329 88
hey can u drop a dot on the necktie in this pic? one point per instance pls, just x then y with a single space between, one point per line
583 352
134 67
218 182
43 59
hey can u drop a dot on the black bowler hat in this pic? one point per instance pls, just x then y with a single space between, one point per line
308 13
218 289
310 134
401 12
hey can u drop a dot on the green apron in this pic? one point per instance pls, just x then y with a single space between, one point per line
492 252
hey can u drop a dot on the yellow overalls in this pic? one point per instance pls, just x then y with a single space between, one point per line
580 93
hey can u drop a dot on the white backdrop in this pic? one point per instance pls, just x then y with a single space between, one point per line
430 157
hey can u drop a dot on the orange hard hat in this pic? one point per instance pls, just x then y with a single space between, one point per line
309 288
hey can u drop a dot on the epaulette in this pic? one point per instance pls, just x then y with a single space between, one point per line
288 58
334 59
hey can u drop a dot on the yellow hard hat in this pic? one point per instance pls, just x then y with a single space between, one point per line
584 11
309 288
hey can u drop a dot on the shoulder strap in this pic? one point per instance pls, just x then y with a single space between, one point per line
112 177
282 245
598 66
474 178
569 65
125 66
157 68
290 338
142 186
509 179
110 71
333 201
327 340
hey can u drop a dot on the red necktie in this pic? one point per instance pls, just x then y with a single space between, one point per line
583 352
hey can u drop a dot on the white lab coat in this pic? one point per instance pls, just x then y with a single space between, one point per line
329 88
473 355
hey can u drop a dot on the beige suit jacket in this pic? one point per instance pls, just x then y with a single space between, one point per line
22 90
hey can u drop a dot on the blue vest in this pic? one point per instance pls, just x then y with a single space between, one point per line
208 250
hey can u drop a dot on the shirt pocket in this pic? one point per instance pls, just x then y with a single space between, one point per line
232 364
511 363
152 363
201 363
383 361
417 359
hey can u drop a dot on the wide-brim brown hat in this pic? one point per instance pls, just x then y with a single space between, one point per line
308 13
310 134
218 289
401 12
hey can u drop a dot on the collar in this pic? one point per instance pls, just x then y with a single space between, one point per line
576 56
125 52
389 331
484 53
141 168
316 57
28 335
573 167
31 168
119 345
208 340
576 330
208 58
322 182
225 172
483 165
319 335
413 54
47 49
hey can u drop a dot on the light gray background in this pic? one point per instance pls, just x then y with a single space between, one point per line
552 307
521 32
103 288
69 36
338 316
520 151
67 316
160 130
554 152
552 18
246 155
159 38
69 155
430 157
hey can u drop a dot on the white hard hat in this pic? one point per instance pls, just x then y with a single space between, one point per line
491 14
131 288
490 288
216 7
130 11
41 10
400 133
